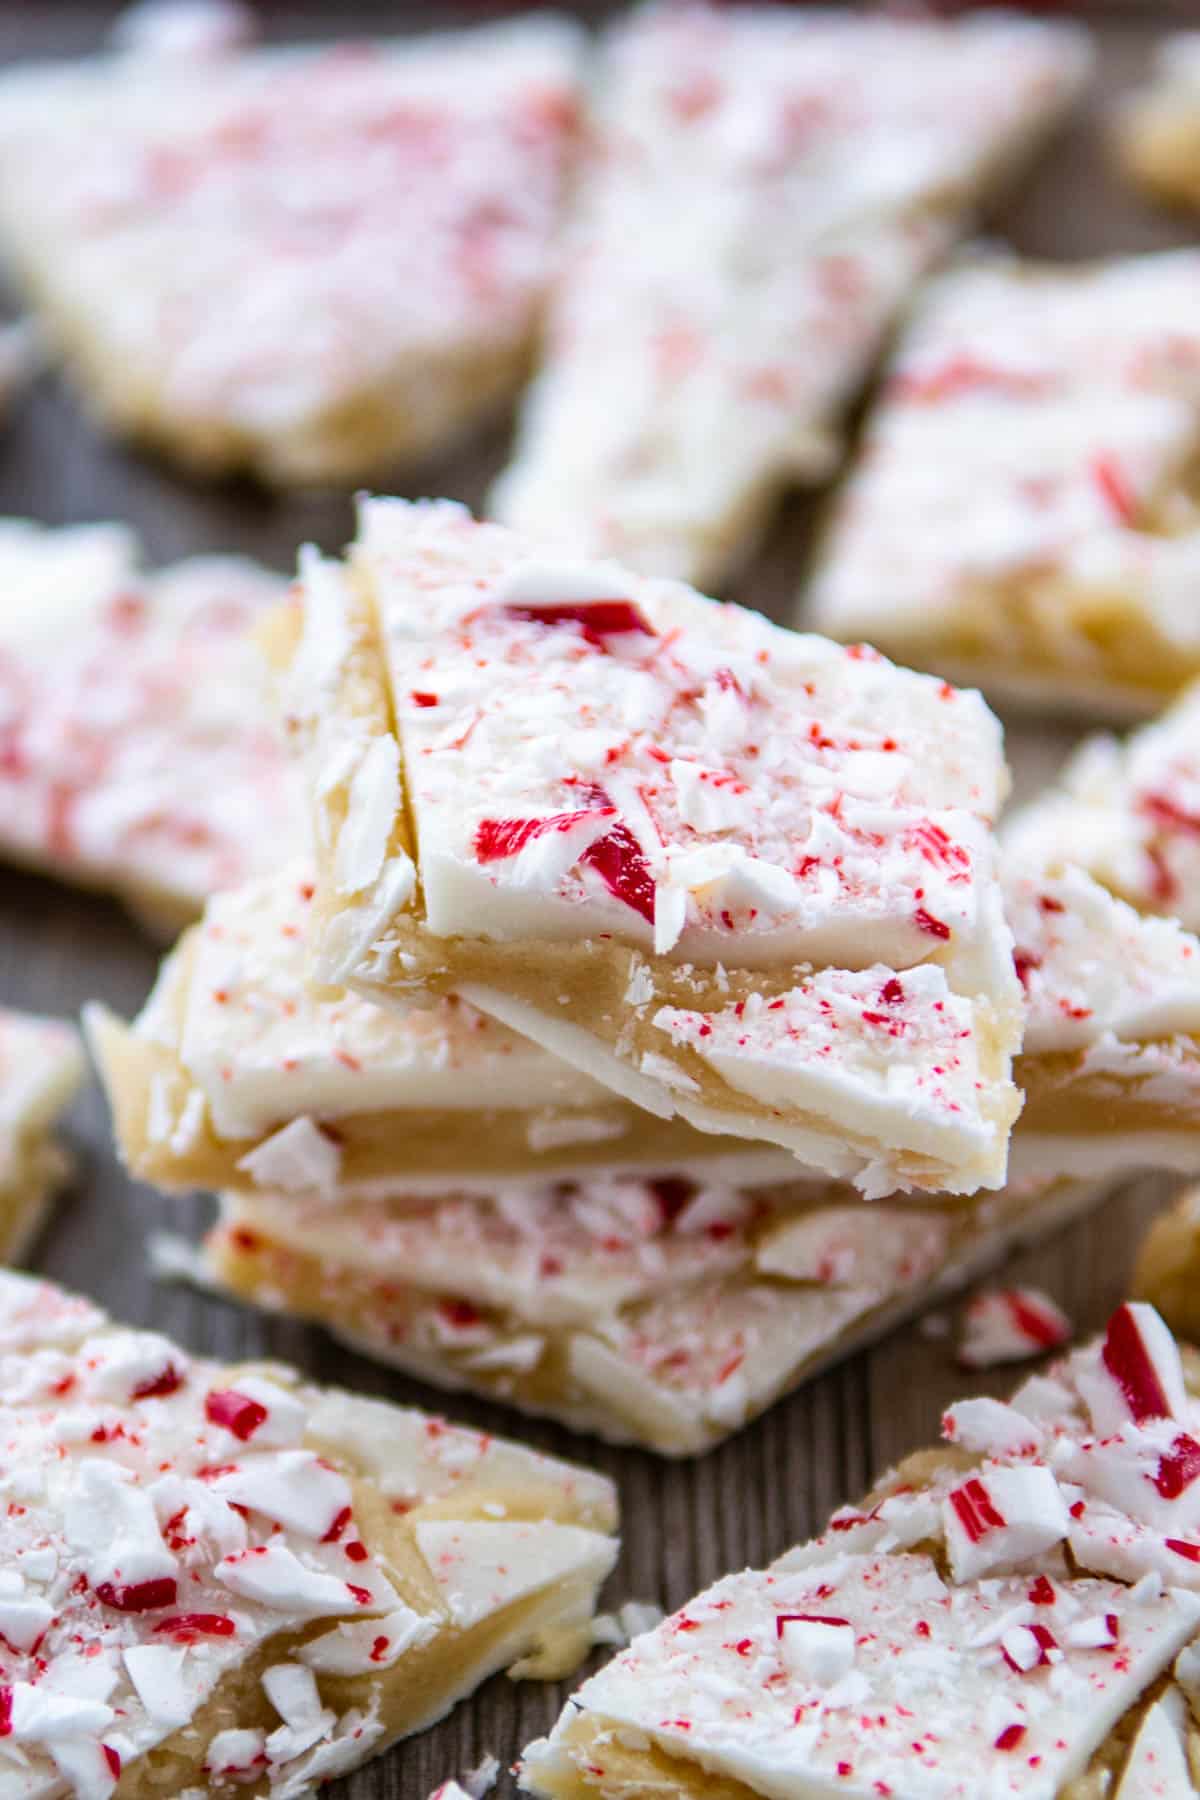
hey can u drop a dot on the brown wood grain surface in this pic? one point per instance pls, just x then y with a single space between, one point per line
684 1524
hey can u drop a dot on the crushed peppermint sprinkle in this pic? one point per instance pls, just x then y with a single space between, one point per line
1002 1325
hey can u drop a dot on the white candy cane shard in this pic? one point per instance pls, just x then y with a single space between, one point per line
1004 1325
1066 400
751 220
172 1524
379 221
897 1655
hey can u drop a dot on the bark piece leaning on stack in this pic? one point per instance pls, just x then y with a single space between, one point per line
734 874
41 1068
378 221
755 215
1016 1614
1024 511
616 1271
226 1575
1128 812
138 750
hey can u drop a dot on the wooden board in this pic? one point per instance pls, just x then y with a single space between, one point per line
773 1484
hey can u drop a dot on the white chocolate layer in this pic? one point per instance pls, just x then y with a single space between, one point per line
752 218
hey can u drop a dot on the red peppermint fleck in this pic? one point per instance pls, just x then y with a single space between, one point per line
189 1628
236 1412
167 1381
1110 478
459 1313
672 1193
113 1760
5 1712
1189 1552
339 1525
618 860
1179 1468
1010 1737
977 1513
1042 1593
1168 812
419 698
362 1595
1128 1362
379 1649
597 619
783 1619
891 993
1045 1640
1049 904
1024 962
935 927
965 374
936 846
357 1551
498 839
138 1596
1035 1322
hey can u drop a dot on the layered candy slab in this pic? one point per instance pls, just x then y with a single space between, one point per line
752 217
1014 1614
216 1576
1128 812
1023 510
377 219
1158 129
238 1074
41 1068
735 874
138 752
666 1310
1110 1059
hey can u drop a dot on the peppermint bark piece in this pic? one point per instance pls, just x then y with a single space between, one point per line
1110 1060
939 1640
237 1074
662 1310
1128 812
752 218
1023 513
378 220
1158 129
41 1068
216 1575
137 749
733 873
